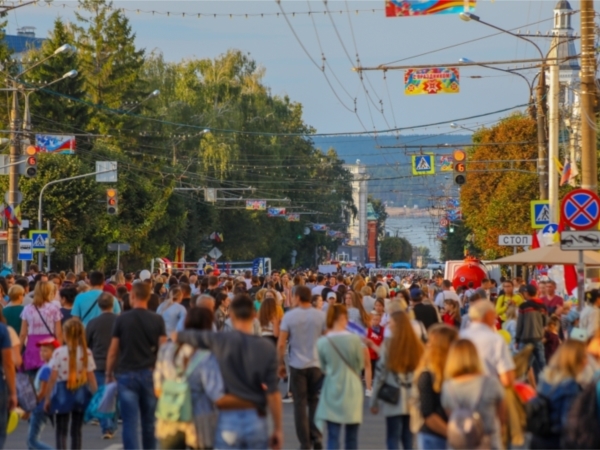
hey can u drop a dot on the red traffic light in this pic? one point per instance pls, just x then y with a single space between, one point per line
112 201
31 161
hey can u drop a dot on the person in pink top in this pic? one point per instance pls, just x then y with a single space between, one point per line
551 300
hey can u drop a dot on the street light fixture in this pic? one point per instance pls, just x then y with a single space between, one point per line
455 125
152 94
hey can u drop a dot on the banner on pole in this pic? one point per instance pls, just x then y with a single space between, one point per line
293 217
446 162
404 8
276 212
320 227
256 205
431 81
54 143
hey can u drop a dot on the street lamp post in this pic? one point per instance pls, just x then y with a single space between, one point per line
15 153
541 94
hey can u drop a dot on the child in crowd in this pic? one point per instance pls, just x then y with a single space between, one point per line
510 325
375 334
451 313
551 339
38 417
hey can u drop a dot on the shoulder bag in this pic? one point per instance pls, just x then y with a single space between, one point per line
45 324
344 359
91 307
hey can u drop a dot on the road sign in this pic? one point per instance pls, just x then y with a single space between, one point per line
25 250
39 238
444 223
423 164
581 209
580 240
106 171
551 228
118 247
18 198
515 240
215 253
540 213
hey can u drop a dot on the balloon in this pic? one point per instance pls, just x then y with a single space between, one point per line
144 275
524 391
13 421
506 335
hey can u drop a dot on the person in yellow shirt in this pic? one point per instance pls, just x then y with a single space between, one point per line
507 298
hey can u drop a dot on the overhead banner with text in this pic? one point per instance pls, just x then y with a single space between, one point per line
404 8
53 143
256 205
434 80
276 212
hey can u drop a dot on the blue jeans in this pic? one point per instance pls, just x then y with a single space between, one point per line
241 429
37 421
106 425
138 403
428 441
397 429
334 431
538 358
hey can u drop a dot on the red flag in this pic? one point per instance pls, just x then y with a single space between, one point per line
570 278
535 243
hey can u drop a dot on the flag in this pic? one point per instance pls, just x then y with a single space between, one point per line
570 278
559 166
17 212
535 243
569 173
217 237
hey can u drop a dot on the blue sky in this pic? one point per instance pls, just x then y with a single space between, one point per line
289 71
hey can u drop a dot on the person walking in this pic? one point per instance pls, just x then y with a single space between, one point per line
249 367
342 358
173 312
86 303
99 335
430 378
268 317
72 369
40 320
531 324
396 368
558 383
136 337
302 327
507 299
467 387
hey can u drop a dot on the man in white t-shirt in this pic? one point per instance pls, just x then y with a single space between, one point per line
318 289
446 294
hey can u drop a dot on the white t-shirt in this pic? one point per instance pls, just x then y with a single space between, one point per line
317 290
446 295
60 362
492 348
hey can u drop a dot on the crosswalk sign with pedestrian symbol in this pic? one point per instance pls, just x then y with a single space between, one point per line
39 239
423 164
540 213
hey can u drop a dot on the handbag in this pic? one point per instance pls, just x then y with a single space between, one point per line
25 392
64 400
389 394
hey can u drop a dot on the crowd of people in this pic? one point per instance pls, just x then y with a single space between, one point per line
202 361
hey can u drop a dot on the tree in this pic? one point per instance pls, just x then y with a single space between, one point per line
382 215
395 249
496 197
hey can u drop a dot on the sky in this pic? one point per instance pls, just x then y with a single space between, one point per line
291 51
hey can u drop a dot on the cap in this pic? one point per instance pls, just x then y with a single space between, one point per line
48 341
416 293
331 295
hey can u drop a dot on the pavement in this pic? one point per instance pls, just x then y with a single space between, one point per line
371 434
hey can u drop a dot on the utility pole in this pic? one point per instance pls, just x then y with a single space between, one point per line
589 158
541 134
554 125
13 180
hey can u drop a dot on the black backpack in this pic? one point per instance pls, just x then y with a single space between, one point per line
583 426
538 415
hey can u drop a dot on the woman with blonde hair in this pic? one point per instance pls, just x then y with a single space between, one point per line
356 310
72 373
39 320
258 298
396 369
269 319
466 386
559 384
358 283
342 358
429 379
119 278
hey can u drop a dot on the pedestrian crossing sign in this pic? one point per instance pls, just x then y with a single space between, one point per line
540 213
423 164
39 239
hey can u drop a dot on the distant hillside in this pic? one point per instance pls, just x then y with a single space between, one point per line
390 168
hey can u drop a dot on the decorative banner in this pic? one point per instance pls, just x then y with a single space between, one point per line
452 203
276 212
403 8
446 162
454 214
293 217
434 80
423 164
319 227
52 143
256 205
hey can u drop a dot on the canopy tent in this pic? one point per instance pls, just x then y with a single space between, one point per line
551 255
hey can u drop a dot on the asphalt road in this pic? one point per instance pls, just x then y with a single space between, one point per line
371 434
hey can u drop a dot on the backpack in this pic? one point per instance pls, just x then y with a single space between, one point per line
175 401
465 425
538 415
582 429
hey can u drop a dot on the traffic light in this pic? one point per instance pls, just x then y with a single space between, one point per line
112 202
30 161
460 167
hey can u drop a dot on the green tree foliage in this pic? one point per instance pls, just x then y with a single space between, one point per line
395 249
382 215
